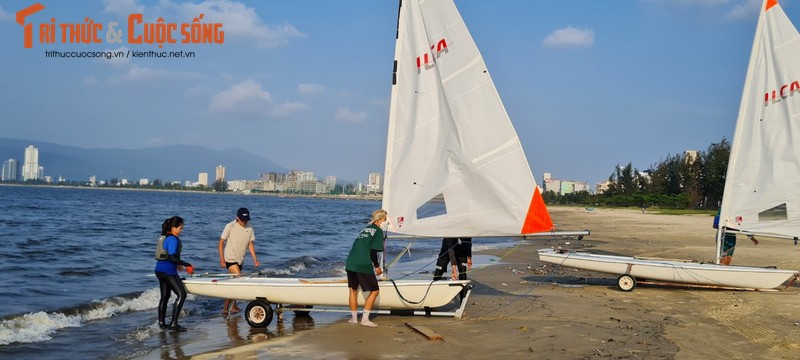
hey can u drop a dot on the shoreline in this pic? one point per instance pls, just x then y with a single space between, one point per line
524 308
312 196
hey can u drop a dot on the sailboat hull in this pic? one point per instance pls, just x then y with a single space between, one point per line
400 294
671 271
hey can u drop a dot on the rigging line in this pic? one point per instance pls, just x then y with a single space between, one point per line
406 249
426 265
519 243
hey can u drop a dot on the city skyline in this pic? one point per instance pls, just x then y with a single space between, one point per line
11 168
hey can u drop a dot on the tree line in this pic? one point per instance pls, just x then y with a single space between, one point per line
677 182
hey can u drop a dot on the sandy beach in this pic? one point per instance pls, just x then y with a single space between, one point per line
522 308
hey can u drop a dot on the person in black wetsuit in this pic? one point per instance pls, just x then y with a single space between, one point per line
167 273
458 253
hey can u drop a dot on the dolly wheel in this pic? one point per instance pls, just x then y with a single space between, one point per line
258 313
626 282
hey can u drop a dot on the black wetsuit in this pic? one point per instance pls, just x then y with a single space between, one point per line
168 282
454 251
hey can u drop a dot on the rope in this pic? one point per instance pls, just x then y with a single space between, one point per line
396 258
409 301
429 264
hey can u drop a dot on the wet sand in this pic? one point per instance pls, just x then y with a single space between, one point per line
525 309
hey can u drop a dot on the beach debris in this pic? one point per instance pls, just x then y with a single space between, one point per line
425 331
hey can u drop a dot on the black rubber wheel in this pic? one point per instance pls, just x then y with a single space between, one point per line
626 282
301 312
258 313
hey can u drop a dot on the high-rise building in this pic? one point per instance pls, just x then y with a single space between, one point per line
10 169
375 183
220 174
30 168
202 179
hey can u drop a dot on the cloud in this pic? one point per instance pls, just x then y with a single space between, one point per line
736 9
570 37
310 88
239 21
199 91
347 115
123 7
250 99
244 96
287 109
136 73
4 16
746 9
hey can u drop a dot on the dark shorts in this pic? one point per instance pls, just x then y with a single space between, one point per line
368 282
229 264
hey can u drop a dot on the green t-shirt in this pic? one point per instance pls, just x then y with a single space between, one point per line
358 260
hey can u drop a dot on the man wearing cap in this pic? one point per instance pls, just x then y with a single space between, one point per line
237 237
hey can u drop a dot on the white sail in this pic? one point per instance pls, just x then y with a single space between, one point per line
454 164
762 187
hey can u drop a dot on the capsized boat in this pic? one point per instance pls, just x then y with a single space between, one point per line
685 272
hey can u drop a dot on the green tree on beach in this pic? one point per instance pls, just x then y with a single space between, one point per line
677 182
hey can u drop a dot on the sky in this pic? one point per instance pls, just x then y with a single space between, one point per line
588 84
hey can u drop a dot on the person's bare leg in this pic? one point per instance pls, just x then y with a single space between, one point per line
230 305
353 301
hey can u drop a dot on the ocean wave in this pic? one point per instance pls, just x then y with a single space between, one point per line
40 326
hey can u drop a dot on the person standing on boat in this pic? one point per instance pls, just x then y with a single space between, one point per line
168 254
237 237
362 266
458 253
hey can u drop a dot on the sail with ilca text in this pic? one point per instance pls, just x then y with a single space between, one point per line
762 187
454 163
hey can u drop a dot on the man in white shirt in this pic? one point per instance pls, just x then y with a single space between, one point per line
236 238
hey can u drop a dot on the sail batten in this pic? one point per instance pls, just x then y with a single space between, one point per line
760 195
454 163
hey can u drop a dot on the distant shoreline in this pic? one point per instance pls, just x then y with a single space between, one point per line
314 196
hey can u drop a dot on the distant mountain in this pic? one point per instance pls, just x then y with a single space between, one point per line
167 163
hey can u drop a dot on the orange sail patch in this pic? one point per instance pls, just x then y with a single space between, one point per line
537 219
770 3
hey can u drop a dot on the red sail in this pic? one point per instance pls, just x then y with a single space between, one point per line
537 219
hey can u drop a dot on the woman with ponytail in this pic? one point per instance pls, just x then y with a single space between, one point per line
167 273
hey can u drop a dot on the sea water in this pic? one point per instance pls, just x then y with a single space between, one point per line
76 264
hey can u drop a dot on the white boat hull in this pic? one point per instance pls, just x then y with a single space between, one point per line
402 294
671 271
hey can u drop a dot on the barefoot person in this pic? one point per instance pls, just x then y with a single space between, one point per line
168 254
237 237
362 266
